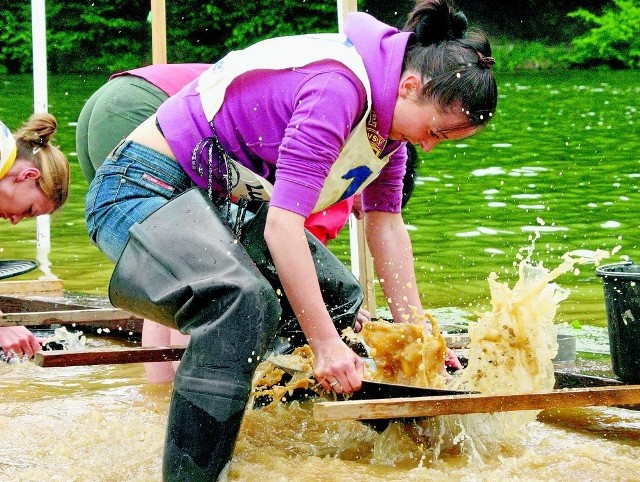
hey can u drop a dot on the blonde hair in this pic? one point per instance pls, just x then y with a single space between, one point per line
33 140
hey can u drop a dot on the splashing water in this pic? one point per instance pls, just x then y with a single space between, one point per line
44 248
511 350
68 340
61 337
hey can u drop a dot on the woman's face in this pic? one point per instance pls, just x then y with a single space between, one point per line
423 124
21 196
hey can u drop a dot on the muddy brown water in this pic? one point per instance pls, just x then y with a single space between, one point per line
106 423
557 154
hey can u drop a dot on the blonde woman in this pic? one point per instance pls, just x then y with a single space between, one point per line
34 180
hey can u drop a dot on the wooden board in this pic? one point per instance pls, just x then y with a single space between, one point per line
31 286
462 404
23 304
570 379
63 317
68 358
66 317
43 311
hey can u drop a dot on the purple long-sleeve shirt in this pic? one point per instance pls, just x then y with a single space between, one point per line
289 125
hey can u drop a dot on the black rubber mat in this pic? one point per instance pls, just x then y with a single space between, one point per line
14 267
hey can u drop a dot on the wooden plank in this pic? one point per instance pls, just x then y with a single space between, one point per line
30 286
66 317
158 32
68 358
20 304
462 404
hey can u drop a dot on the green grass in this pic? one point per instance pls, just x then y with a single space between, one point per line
522 55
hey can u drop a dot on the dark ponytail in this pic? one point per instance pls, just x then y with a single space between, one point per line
455 67
434 21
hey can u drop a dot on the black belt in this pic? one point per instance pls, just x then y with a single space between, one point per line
158 126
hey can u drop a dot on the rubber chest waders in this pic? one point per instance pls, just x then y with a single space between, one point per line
183 267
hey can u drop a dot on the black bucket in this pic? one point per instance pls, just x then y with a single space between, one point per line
622 302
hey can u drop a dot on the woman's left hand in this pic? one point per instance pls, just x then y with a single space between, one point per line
452 360
361 318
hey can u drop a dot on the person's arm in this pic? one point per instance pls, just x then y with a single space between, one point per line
390 246
19 340
334 361
392 254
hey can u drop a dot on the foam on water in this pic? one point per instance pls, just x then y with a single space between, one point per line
527 207
610 225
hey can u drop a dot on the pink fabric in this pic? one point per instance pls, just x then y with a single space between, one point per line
325 225
168 77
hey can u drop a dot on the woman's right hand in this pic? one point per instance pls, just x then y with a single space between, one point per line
337 367
19 341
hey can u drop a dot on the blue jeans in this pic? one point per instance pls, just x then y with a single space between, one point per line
130 185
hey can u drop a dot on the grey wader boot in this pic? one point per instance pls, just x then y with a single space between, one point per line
183 267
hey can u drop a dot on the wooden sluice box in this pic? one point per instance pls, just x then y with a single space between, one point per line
44 305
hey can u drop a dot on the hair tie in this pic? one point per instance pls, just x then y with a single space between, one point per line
485 62
38 144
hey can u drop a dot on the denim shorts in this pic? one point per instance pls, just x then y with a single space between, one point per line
131 184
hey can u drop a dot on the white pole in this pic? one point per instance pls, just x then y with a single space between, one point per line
39 40
344 8
361 261
40 104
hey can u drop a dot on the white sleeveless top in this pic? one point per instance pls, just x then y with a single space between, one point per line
356 166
